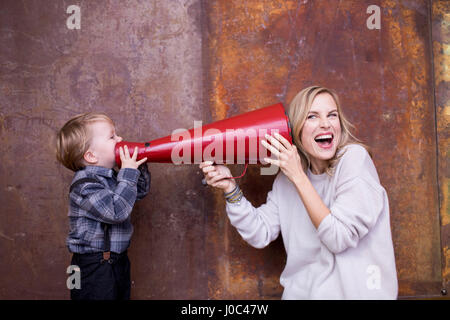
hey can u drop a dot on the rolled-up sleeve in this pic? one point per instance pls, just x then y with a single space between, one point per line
354 212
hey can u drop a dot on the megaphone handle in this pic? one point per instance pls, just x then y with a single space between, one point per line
243 173
245 170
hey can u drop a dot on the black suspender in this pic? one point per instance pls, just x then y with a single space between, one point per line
106 235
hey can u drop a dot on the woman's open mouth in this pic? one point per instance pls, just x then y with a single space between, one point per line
324 140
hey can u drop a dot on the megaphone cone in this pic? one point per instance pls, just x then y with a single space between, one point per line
233 140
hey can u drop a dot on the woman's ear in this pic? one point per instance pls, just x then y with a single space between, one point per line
90 157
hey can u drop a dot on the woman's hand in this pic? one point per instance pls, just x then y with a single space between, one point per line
288 159
216 176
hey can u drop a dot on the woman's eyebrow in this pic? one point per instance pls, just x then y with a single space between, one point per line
335 110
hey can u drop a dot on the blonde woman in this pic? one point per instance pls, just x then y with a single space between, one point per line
327 202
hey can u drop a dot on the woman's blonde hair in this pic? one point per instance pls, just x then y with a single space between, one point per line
298 112
73 140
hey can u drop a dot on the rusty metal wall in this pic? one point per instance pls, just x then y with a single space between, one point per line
138 61
266 51
156 66
441 50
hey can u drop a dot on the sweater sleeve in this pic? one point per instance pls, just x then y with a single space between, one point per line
355 211
359 201
257 226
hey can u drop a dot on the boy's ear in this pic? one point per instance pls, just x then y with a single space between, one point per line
89 157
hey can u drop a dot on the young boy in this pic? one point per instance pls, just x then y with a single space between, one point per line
101 201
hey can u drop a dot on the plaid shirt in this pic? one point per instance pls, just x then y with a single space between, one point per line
108 201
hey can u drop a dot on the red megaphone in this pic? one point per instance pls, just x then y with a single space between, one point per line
233 140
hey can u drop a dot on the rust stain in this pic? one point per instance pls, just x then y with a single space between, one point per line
441 51
446 271
445 201
442 61
407 43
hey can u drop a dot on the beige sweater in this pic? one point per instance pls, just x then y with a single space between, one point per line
350 255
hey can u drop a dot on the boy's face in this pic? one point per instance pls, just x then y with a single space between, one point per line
101 151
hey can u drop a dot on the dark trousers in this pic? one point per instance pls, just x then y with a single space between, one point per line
102 279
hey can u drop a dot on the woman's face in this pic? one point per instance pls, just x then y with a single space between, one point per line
321 132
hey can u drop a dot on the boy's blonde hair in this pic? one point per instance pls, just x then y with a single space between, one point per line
298 112
73 140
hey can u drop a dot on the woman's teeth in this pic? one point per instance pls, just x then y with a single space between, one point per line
324 140
325 136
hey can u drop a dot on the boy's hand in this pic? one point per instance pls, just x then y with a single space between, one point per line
127 160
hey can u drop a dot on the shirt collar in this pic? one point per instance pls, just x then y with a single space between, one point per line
101 171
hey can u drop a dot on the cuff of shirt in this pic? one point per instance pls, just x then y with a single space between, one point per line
129 175
324 225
